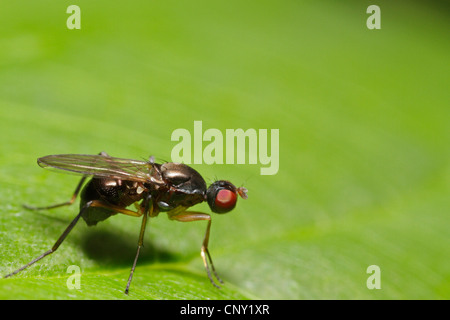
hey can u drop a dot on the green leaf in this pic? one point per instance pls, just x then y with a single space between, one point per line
363 123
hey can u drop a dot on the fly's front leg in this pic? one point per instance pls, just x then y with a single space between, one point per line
188 216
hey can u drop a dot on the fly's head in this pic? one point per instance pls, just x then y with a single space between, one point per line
222 196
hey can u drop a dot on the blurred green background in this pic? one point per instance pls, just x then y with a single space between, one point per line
363 117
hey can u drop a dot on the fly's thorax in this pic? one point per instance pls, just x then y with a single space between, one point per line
183 178
183 186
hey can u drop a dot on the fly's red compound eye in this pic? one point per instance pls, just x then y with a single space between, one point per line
225 200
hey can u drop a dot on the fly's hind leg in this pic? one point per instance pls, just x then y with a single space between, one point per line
62 237
67 203
72 199
188 216
57 243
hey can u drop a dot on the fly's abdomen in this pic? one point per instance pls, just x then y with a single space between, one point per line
111 192
93 215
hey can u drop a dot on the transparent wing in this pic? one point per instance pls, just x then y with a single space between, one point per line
100 166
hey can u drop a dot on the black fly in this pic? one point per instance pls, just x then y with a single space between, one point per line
117 183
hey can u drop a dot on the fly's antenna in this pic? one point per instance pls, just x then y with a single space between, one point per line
243 192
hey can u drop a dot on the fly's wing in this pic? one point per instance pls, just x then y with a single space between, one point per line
100 166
